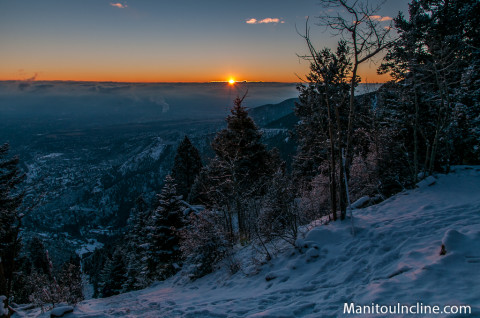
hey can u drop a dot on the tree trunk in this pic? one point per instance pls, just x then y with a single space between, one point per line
333 183
342 188
415 133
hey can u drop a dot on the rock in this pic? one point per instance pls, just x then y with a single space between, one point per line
61 311
312 253
3 310
300 243
282 275
430 180
362 202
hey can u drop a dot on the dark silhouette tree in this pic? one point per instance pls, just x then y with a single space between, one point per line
240 170
364 36
435 58
137 245
186 167
163 255
10 219
113 274
36 250
324 110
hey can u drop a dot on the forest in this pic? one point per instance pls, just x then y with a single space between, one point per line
352 150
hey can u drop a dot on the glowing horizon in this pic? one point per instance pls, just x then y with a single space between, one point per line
150 41
368 76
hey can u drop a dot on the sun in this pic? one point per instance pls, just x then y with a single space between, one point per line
231 81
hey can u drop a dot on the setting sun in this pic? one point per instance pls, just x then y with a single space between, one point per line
231 81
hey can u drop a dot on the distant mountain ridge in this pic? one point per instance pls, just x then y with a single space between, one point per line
266 114
282 115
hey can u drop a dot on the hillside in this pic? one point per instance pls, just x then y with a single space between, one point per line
265 114
89 177
393 258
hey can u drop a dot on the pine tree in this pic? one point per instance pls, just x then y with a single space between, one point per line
37 254
10 219
163 253
113 275
323 130
94 265
311 133
186 167
240 169
433 59
137 246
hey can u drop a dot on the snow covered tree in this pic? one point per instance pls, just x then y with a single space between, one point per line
94 264
163 255
46 292
311 133
70 281
323 128
362 37
279 216
241 168
113 274
10 219
43 291
186 167
205 242
137 245
432 59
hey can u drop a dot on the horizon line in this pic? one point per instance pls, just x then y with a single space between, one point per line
173 82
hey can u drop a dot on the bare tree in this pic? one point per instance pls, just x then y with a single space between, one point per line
363 30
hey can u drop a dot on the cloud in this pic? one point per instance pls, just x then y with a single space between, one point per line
380 18
266 20
118 5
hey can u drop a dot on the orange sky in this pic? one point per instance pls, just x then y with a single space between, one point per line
173 75
153 41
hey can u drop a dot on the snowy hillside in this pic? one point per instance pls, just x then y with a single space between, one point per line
393 258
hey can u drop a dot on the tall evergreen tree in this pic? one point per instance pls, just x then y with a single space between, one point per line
10 219
186 167
113 274
38 258
240 169
163 253
137 246
324 113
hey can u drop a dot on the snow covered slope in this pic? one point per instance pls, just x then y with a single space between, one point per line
393 258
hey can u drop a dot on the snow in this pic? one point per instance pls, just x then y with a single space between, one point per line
52 155
3 310
272 132
88 247
393 258
360 202
428 181
61 311
151 153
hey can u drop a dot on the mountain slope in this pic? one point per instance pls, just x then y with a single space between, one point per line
265 114
393 258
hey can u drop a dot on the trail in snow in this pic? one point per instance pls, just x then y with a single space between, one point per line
394 257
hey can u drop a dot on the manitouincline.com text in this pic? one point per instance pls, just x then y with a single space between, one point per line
416 309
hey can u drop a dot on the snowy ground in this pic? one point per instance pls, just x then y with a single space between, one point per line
394 258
